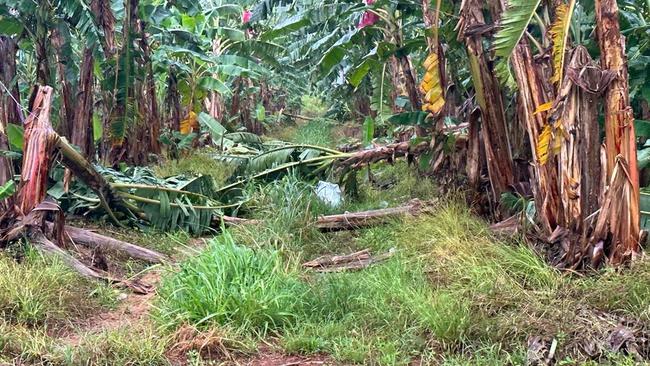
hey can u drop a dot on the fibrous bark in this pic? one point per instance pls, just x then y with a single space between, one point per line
620 139
39 141
105 20
387 152
575 110
488 95
81 134
531 95
9 109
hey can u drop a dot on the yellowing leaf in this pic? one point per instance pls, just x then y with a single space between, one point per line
189 123
543 142
560 35
549 141
543 108
430 61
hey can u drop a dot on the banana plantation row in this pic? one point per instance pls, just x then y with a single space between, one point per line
537 109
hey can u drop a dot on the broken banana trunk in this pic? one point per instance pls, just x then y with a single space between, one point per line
620 140
29 215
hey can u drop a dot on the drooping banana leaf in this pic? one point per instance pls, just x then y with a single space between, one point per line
514 22
560 37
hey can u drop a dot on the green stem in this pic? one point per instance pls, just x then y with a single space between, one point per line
302 146
157 188
157 202
285 166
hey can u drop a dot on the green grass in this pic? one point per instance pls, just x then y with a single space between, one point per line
196 163
135 345
454 294
315 132
231 285
312 106
39 291
385 314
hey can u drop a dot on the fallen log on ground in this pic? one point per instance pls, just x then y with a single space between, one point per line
348 220
297 116
354 261
355 220
93 240
332 260
38 239
27 219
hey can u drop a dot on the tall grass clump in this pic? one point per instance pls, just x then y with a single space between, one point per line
38 291
384 314
233 286
511 291
286 208
315 132
195 164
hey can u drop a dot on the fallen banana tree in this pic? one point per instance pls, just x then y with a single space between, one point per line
30 217
320 159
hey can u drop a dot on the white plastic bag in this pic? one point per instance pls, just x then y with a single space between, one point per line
329 193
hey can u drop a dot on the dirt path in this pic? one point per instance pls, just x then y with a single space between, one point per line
133 309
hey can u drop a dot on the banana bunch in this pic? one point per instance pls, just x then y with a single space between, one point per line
431 86
189 124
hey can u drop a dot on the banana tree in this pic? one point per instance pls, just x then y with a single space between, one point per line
557 98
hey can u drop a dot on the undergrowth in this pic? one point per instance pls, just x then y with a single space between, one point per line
40 291
233 286
196 163
134 345
454 294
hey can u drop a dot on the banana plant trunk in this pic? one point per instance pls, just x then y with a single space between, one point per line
9 108
532 94
488 96
149 104
81 133
173 103
575 113
67 110
620 141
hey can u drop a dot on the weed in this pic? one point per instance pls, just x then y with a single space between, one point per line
316 132
231 285
382 314
139 345
195 164
286 208
312 106
20 344
37 291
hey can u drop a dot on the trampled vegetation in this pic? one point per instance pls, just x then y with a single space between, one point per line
345 182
